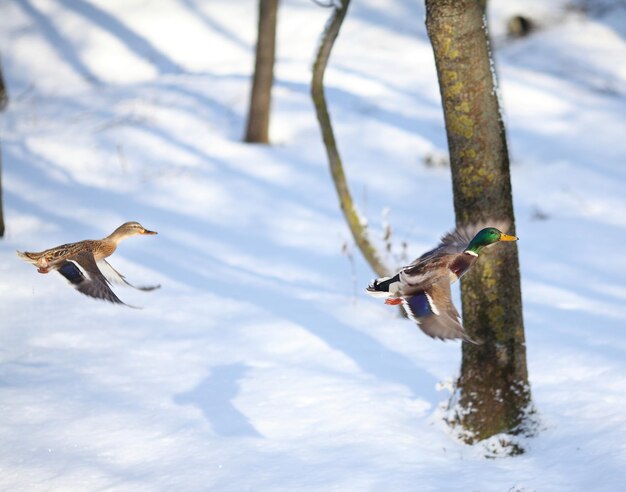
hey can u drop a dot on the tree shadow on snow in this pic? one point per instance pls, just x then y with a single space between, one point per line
64 48
203 270
214 396
213 25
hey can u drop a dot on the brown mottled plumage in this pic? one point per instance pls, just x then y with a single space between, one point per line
82 262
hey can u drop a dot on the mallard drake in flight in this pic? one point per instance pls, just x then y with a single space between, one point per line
84 265
423 287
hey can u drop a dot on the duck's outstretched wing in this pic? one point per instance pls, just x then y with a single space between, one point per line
115 277
433 311
458 240
82 272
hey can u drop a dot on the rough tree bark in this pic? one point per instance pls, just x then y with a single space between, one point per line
257 128
493 394
358 229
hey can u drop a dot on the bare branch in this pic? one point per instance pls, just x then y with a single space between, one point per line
348 208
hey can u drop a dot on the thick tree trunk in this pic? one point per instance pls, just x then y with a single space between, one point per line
493 390
257 129
359 231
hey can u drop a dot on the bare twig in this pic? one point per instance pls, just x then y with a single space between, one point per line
326 5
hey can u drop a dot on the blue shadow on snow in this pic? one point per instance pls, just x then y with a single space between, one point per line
214 395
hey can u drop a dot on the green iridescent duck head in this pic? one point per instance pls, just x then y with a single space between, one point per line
487 236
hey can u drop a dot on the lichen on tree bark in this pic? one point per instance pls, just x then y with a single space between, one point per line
493 394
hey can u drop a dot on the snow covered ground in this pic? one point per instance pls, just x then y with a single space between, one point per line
260 364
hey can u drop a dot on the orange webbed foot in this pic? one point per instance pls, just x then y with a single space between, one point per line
393 301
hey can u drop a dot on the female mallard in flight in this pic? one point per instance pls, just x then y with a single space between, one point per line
84 265
423 287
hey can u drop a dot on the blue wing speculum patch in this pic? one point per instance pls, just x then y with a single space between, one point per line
420 305
71 272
